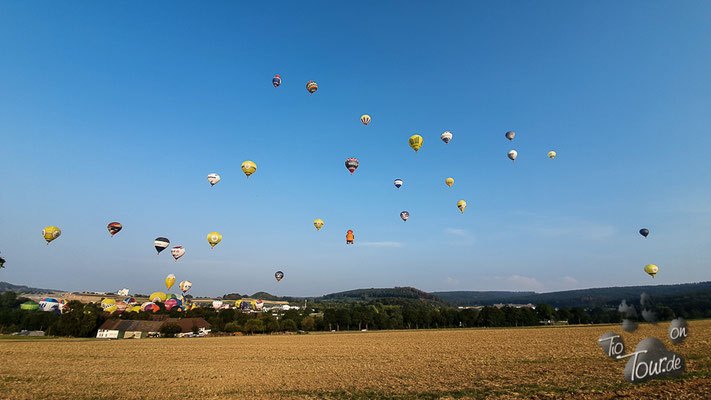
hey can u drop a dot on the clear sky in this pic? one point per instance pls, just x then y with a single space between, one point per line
118 111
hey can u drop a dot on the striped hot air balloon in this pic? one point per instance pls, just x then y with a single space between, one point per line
352 164
365 119
276 81
114 228
311 86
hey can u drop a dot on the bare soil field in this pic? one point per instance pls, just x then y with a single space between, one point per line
538 363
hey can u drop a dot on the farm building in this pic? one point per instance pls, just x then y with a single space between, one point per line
121 329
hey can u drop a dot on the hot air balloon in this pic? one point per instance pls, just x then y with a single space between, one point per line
121 307
644 232
177 252
29 306
461 205
513 154
213 179
106 303
161 244
130 301
50 233
114 228
318 223
169 296
365 119
276 81
446 136
398 183
415 142
169 304
352 164
551 154
217 303
279 275
510 135
349 237
214 238
405 216
150 306
651 269
311 86
169 281
249 168
449 182
185 286
158 297
49 305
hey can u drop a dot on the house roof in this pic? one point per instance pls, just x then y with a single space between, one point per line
186 324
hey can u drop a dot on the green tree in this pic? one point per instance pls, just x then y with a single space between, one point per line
308 323
232 327
253 325
169 329
288 325
545 312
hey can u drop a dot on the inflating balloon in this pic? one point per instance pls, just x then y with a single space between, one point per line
644 232
365 119
279 275
415 142
217 303
169 281
161 244
446 136
405 216
214 238
651 269
510 135
513 154
352 164
311 86
213 179
398 183
50 233
276 81
318 223
461 205
551 154
449 182
249 168
157 297
114 228
177 252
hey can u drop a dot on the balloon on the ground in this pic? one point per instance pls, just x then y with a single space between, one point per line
248 167
150 306
398 183
318 223
170 303
311 86
158 297
50 233
169 296
651 269
114 228
214 238
185 286
29 306
405 216
134 309
446 136
121 307
551 154
49 305
513 154
169 281
217 303
279 275
161 244
276 81
462 205
177 252
415 142
130 301
510 135
449 182
213 179
365 119
107 303
352 164
349 237
644 232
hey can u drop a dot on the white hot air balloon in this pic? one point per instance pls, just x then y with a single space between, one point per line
177 252
513 154
446 136
213 179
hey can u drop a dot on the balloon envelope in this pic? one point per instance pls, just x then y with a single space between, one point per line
446 136
644 232
318 224
114 228
405 216
513 154
651 269
352 164
50 233
510 135
248 167
415 142
169 281
161 244
214 238
398 183
177 252
279 275
311 86
365 119
185 286
462 205
551 154
158 297
449 182
213 179
276 81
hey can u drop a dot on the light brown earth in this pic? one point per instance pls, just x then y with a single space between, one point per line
554 362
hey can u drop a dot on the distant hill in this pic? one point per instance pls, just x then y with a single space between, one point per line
7 287
380 293
608 296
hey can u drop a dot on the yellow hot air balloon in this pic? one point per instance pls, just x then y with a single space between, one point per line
318 224
106 303
461 205
50 233
248 167
415 142
214 238
158 297
651 269
365 119
449 182
551 154
169 281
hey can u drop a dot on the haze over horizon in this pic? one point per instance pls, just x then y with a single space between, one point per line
118 112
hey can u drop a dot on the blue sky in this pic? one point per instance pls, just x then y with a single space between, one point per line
117 112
